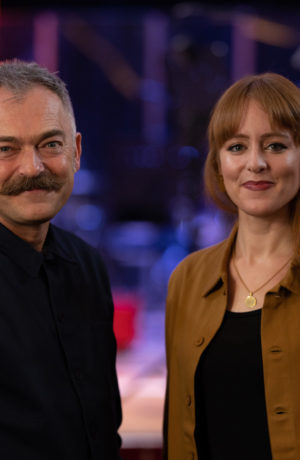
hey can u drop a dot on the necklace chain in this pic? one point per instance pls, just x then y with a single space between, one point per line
250 300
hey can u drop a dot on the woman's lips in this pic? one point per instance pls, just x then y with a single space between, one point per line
257 186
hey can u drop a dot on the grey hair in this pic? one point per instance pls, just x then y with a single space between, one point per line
20 76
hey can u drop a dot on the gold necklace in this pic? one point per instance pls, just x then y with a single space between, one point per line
251 300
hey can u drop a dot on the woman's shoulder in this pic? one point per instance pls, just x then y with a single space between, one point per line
201 260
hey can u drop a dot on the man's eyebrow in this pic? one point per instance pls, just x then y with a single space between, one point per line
42 137
51 133
8 139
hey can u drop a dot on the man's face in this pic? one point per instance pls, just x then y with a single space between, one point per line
39 154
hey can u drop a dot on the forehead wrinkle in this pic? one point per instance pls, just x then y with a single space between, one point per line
15 97
12 96
36 138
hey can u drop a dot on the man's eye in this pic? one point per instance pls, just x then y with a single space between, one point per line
276 147
5 148
51 147
52 144
235 148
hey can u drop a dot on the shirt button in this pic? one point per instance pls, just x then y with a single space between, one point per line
93 432
188 401
276 350
199 342
280 410
78 374
60 317
48 256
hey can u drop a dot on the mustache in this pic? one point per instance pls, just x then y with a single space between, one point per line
44 181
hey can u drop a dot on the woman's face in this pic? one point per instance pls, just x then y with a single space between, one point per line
260 165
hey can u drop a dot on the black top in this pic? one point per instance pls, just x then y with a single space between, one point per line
59 396
231 422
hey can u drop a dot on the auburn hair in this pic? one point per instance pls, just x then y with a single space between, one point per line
280 99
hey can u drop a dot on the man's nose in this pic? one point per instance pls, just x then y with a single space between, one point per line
256 161
30 162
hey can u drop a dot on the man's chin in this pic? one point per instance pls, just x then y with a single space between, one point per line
37 221
36 218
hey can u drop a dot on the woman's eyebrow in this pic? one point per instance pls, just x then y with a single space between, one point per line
263 136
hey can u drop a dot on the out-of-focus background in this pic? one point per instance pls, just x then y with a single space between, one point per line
143 78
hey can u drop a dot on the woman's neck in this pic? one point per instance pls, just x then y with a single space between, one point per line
262 238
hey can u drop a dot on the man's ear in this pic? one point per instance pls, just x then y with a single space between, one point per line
77 153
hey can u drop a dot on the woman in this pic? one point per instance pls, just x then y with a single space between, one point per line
233 310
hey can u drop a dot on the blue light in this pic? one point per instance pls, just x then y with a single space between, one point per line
84 182
88 217
152 91
188 151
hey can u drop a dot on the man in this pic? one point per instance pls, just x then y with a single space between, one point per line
59 397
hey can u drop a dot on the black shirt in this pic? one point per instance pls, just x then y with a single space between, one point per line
59 396
231 422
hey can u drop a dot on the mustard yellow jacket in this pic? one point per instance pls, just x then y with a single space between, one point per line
196 303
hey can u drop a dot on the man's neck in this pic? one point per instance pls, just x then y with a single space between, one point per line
35 235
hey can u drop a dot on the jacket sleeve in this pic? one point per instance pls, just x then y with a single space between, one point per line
169 334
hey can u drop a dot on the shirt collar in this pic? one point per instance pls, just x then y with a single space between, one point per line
24 255
54 246
20 252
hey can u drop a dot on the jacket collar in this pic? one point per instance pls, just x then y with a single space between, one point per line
220 260
292 279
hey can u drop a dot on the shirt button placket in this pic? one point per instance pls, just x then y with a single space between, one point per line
78 375
93 432
60 317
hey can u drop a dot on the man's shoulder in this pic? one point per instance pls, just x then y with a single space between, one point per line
72 244
69 239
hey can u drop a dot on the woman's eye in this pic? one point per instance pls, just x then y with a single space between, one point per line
276 147
235 148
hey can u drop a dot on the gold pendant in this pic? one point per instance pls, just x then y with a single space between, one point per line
250 301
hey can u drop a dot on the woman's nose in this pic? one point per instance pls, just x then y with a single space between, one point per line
256 161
